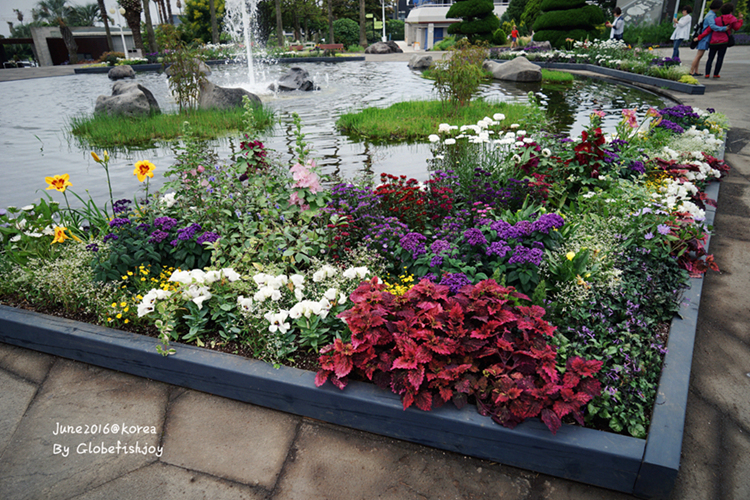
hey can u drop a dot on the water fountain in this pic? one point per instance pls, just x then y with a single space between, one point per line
239 17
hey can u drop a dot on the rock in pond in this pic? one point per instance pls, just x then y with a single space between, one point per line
515 70
128 99
295 79
213 96
120 72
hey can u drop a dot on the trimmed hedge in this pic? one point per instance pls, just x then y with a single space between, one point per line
550 5
486 25
583 17
468 8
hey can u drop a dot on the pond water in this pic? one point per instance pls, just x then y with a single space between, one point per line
35 114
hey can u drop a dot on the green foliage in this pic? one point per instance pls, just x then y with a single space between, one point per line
557 38
549 75
550 5
111 57
514 11
416 120
394 29
346 31
479 21
196 20
108 131
458 77
531 12
646 34
499 37
445 43
584 18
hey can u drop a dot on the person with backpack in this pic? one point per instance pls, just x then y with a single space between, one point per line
708 21
618 25
719 40
681 30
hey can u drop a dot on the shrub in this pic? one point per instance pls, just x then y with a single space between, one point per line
346 31
111 57
430 347
499 37
458 77
394 28
479 21
561 19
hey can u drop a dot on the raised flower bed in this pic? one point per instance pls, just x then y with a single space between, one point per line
633 228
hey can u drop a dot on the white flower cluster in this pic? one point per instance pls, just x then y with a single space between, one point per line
196 287
697 140
274 288
676 195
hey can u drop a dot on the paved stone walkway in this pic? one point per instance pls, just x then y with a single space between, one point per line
196 446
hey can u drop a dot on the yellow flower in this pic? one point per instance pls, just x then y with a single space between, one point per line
127 321
114 304
96 157
144 169
106 156
570 255
123 304
119 315
58 182
60 235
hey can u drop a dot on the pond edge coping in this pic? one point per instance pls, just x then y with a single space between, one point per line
686 88
646 468
159 66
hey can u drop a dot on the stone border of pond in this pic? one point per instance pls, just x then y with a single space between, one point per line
623 75
643 467
284 60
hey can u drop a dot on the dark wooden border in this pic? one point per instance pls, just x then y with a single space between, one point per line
646 468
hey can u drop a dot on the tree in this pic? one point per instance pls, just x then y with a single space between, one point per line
478 19
561 19
132 16
330 23
362 27
196 20
84 15
514 11
56 12
149 28
346 31
214 24
279 25
531 12
105 20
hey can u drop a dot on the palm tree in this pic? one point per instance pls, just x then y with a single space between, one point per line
58 12
84 15
105 20
362 28
132 16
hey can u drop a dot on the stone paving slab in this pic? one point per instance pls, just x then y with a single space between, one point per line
30 365
228 439
14 400
166 482
340 464
78 394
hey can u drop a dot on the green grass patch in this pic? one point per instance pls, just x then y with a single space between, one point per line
549 75
111 131
413 121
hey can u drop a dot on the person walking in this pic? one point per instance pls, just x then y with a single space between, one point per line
708 21
618 25
720 39
681 30
514 37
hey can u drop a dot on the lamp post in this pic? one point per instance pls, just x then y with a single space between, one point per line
382 3
119 22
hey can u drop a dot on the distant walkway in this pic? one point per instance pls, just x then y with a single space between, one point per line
12 74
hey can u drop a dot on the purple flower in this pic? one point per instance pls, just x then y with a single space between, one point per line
455 281
144 227
188 232
439 246
638 167
663 229
474 237
436 261
648 235
158 236
547 222
121 206
498 248
166 223
414 243
119 222
111 236
208 236
523 255
92 247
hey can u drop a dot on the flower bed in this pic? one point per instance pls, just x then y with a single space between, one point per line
613 55
531 276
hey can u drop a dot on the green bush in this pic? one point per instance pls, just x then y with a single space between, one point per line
394 28
346 31
445 43
584 17
499 37
550 5
478 22
458 77
648 33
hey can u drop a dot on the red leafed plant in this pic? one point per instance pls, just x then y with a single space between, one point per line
482 344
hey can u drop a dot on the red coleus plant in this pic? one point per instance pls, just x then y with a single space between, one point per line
482 344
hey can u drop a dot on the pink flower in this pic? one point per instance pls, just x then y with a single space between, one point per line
599 113
305 177
294 199
201 169
629 115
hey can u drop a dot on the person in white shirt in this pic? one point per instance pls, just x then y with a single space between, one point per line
681 30
618 25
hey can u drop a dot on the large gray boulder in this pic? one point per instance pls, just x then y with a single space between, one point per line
295 79
389 47
120 72
420 61
213 96
515 70
128 99
540 46
202 68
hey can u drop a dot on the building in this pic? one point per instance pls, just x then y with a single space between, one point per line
50 49
426 23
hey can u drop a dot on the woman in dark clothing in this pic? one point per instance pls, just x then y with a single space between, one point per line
719 39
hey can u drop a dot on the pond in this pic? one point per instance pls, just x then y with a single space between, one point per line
35 115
